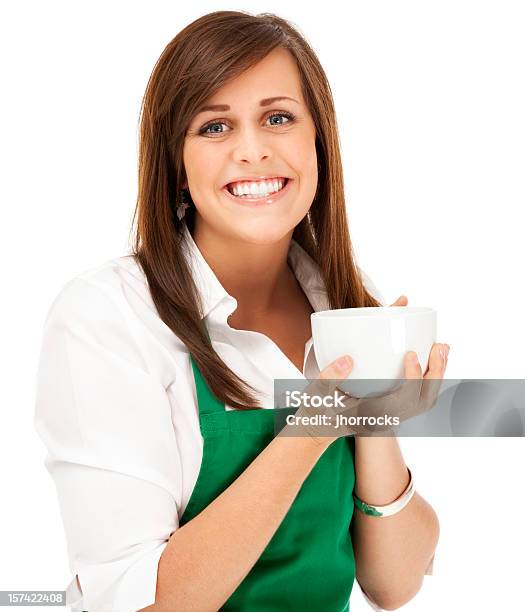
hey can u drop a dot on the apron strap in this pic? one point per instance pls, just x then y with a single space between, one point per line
207 402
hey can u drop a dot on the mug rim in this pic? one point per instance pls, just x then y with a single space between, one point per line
364 311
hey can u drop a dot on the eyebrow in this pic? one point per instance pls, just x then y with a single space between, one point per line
226 107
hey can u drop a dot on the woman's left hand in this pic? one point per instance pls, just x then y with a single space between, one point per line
437 361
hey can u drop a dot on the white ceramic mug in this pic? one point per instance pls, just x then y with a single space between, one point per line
377 339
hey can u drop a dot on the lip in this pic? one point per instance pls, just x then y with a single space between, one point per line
251 202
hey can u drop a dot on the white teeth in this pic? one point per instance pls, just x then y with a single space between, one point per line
259 189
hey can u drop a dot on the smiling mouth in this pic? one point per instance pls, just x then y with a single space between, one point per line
281 183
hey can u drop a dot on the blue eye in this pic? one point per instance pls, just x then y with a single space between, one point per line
211 124
205 129
289 116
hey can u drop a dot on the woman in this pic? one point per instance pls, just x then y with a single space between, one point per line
174 492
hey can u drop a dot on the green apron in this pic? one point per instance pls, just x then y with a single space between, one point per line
308 565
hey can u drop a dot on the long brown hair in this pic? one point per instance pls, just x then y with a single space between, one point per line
204 56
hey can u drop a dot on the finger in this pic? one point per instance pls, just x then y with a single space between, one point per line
402 300
327 382
404 401
419 399
433 378
335 371
412 366
330 376
437 361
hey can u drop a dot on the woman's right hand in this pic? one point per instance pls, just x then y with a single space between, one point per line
324 386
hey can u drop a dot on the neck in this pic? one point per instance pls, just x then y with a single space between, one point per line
256 275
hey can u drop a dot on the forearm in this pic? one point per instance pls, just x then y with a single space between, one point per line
392 553
208 557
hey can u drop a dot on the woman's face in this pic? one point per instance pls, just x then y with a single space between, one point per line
249 140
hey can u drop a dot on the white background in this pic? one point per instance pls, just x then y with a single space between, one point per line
429 99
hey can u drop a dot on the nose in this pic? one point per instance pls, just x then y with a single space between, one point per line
251 147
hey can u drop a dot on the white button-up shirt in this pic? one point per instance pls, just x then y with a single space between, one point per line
116 408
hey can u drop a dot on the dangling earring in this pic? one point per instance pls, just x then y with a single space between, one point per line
181 208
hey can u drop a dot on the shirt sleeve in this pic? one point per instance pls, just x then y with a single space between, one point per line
105 420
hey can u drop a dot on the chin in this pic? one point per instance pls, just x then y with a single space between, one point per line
262 233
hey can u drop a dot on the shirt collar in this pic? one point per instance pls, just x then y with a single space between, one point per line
212 293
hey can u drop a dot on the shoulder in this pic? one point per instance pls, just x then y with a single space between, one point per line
98 308
99 292
108 310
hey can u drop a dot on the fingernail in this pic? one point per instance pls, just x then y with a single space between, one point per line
343 363
413 357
